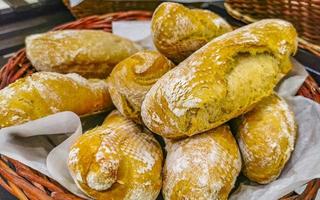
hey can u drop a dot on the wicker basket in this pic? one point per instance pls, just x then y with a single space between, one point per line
25 183
96 7
304 14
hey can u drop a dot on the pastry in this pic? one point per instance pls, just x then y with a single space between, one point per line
90 53
266 136
201 167
118 160
132 78
179 31
45 93
220 81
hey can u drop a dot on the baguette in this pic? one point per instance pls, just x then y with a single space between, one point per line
221 81
90 53
179 31
266 136
45 93
204 166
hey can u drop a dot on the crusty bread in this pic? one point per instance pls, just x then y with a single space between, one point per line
90 53
118 160
266 137
45 93
179 31
220 81
204 166
132 78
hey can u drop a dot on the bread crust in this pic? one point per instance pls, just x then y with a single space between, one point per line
45 93
133 77
90 53
202 167
220 81
117 160
266 136
178 31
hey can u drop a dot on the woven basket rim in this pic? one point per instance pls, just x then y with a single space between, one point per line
26 183
246 18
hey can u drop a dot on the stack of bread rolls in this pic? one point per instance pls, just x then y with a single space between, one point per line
207 91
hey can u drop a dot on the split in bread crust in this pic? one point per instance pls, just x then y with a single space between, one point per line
220 81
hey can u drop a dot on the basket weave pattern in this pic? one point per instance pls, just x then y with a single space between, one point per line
25 183
304 14
96 7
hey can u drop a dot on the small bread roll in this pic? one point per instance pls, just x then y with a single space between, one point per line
118 160
132 78
201 167
266 137
220 81
45 93
179 31
90 53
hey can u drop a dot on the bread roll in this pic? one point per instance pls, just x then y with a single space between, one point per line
90 53
266 137
132 78
45 93
179 31
118 160
222 80
202 167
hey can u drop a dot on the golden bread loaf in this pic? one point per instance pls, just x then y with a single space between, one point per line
90 53
220 81
179 31
201 167
45 93
266 137
118 160
132 78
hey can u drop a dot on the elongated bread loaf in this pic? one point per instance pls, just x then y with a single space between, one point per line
118 160
90 53
132 78
179 31
266 137
222 80
45 93
202 167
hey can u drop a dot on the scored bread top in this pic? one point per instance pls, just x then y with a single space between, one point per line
117 160
132 78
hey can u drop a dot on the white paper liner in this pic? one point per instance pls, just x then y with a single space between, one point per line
137 31
29 143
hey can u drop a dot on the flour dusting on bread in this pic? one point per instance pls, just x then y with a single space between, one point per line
201 166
